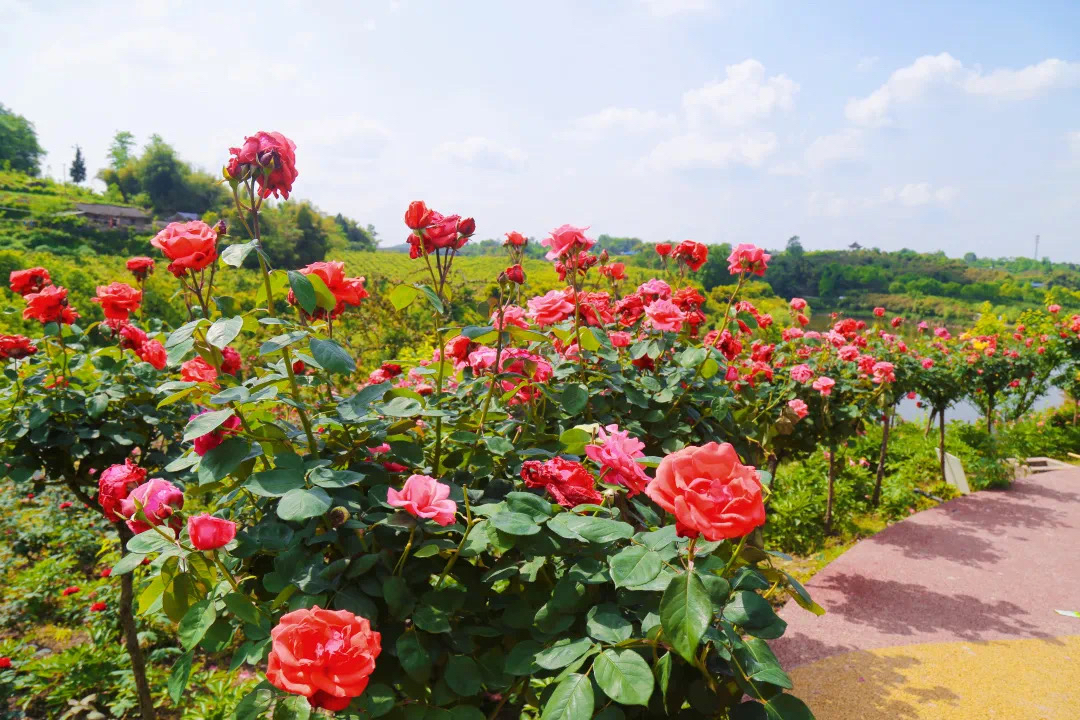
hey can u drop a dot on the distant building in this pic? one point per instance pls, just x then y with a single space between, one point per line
182 217
854 246
113 216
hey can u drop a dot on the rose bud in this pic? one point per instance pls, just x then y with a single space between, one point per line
603 257
466 226
515 274
417 216
209 533
222 229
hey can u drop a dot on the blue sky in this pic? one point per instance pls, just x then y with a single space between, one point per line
929 125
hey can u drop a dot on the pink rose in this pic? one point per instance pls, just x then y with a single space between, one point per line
156 499
748 258
709 492
1054 309
512 315
550 308
665 315
883 372
799 407
879 312
824 385
114 485
619 338
424 497
797 304
801 373
654 290
615 452
566 240
209 533
927 363
270 151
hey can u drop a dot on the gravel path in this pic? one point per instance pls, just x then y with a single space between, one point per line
930 616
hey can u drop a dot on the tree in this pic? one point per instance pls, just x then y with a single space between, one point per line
357 237
78 167
19 148
120 150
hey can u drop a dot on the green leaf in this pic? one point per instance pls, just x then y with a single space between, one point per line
598 530
276 344
574 440
399 599
634 565
605 623
802 597
377 700
182 333
710 368
301 504
521 660
178 678
534 506
97 405
624 676
207 422
238 394
685 613
254 703
224 331
196 621
327 478
241 606
590 339
413 656
749 610
304 292
462 675
575 397
324 296
223 459
400 407
514 523
562 653
403 296
148 542
127 563
293 707
235 254
275 483
433 299
572 700
332 356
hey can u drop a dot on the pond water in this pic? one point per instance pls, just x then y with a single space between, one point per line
968 412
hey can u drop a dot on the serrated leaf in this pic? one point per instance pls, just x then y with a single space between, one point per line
634 565
332 357
623 676
685 613
301 504
303 291
402 296
224 331
573 699
206 423
235 254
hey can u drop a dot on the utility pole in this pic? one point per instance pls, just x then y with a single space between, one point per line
1036 247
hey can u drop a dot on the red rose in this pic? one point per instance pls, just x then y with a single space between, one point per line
418 216
48 305
140 267
209 533
270 158
324 655
114 485
198 370
442 232
156 500
106 572
70 590
209 441
879 312
515 239
5 663
466 227
65 505
98 607
693 254
566 481
190 246
153 352
16 347
566 240
117 300
709 492
347 291
515 274
230 361
24 282
663 249
131 337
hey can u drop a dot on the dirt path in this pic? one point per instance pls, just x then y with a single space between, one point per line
950 613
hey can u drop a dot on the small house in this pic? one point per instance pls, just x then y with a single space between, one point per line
182 217
111 217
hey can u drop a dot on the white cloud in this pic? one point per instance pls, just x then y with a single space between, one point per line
629 120
744 95
846 144
667 8
483 153
912 195
1072 139
866 64
360 136
692 151
910 83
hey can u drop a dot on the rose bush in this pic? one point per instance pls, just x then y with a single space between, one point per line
556 510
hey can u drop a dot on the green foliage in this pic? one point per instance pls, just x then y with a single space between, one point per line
19 148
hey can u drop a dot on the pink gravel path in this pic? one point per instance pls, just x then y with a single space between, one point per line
989 566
